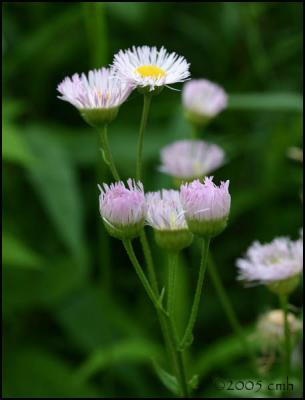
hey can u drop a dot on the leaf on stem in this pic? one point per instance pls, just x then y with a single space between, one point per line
168 380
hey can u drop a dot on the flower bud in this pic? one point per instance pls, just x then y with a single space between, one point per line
202 101
123 209
270 327
165 215
206 206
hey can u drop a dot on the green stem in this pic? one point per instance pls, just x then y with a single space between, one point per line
187 338
195 131
149 262
103 237
107 153
228 309
287 347
151 294
171 288
165 322
146 107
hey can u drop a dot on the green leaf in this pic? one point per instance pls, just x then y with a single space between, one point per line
34 372
168 380
15 147
54 179
194 382
221 352
92 319
266 101
17 254
129 350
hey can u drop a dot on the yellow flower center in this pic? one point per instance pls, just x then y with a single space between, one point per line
150 71
197 168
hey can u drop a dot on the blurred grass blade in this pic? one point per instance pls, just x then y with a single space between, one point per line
40 39
54 179
17 254
94 14
129 350
267 102
219 353
14 146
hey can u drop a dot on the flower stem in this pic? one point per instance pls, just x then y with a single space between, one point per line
133 258
287 347
228 309
145 111
149 262
165 322
103 247
107 153
187 337
171 288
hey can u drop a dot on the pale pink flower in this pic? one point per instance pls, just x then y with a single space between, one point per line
122 208
190 159
204 98
206 206
205 201
272 262
101 89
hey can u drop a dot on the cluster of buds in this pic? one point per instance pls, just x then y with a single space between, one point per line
198 208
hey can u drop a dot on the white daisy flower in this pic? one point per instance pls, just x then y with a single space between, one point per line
100 89
149 67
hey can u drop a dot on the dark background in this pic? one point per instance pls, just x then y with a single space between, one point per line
76 320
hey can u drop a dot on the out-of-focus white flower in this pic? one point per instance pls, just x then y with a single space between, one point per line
203 100
191 159
270 327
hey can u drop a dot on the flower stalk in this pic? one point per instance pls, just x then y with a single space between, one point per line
144 118
188 335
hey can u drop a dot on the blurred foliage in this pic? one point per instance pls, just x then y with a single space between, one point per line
76 321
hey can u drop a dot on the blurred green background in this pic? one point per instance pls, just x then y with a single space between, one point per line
76 321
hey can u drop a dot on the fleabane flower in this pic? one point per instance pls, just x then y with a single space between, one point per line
203 100
97 95
149 68
187 160
206 206
277 264
165 215
123 209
